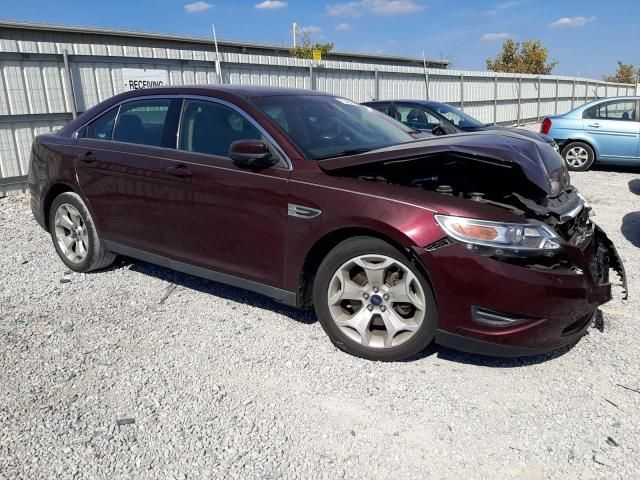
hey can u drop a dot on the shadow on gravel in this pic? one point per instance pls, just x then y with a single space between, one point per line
213 288
308 317
631 227
493 362
634 186
496 362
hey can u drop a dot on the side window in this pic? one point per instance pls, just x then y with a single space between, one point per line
277 114
417 117
452 117
620 110
209 127
383 108
142 122
102 127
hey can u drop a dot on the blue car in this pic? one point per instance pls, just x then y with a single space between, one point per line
606 130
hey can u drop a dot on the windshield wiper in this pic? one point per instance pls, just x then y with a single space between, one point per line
353 151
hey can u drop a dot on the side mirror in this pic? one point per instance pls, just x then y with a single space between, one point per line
251 154
438 130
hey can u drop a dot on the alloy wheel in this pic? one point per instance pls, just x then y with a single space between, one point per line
71 233
577 157
376 301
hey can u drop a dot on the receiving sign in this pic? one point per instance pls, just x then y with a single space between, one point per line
137 78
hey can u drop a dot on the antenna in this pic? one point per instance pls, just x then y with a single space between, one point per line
426 74
218 64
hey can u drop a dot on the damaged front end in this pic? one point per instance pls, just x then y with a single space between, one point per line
503 171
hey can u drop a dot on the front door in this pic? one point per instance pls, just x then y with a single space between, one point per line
614 128
224 217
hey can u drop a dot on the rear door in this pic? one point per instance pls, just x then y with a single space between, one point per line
124 162
614 128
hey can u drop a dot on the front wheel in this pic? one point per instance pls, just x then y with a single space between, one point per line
373 302
579 156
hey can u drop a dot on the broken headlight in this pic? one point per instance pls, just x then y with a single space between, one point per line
500 235
558 181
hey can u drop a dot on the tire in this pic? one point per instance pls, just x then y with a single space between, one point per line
361 317
578 156
74 235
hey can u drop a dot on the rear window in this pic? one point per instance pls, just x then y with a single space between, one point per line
102 127
142 122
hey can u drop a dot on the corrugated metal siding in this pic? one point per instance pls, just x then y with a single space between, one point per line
399 85
34 92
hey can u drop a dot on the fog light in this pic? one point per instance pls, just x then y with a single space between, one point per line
494 319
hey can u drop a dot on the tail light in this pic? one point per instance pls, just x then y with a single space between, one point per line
546 126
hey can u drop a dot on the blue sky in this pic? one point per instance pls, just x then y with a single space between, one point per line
587 37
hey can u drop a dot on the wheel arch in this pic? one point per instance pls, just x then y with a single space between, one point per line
326 243
582 140
52 192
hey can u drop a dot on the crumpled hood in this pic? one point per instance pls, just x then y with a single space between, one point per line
536 159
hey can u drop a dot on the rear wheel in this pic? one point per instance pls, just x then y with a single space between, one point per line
373 302
74 235
579 156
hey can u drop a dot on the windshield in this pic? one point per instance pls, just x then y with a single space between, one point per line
325 127
458 118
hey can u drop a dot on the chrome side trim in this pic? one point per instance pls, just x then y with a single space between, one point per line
270 139
300 211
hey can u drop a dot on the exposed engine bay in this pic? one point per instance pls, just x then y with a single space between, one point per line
529 181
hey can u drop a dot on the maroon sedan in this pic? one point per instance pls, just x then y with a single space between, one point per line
477 241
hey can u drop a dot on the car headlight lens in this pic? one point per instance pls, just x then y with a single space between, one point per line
559 180
502 235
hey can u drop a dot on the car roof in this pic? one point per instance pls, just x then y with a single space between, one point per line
240 92
578 111
245 91
426 103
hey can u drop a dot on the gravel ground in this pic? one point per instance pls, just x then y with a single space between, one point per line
140 372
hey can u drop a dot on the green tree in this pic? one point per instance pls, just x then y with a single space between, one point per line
522 57
625 73
306 47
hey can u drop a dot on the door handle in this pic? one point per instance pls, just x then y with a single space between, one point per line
179 171
88 157
596 125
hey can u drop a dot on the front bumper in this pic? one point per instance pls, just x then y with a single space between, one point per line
556 306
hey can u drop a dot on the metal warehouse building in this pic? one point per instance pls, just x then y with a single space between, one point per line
50 72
